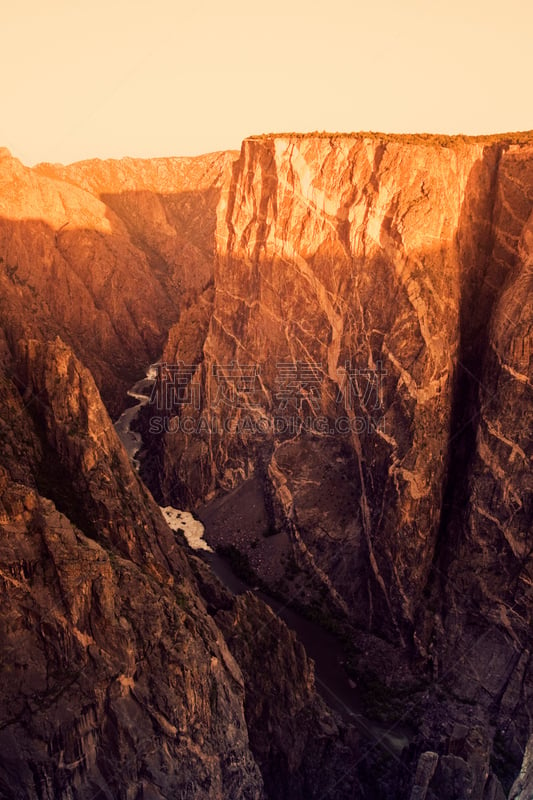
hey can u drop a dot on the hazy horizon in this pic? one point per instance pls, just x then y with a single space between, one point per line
114 80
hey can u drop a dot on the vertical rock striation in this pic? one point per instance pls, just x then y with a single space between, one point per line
105 254
358 256
410 261
116 680
380 291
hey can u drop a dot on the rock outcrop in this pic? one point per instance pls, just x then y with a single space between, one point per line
304 751
105 254
383 288
353 315
168 206
116 679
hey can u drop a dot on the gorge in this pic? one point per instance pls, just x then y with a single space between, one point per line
343 325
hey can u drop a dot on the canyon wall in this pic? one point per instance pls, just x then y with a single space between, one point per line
352 318
112 672
382 289
117 680
375 264
105 254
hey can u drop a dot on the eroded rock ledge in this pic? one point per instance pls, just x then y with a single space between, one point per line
412 258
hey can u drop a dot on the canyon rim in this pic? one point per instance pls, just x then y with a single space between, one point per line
340 334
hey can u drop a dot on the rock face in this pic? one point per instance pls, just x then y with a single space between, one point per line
485 565
168 206
114 677
383 287
362 258
304 751
104 254
354 318
116 681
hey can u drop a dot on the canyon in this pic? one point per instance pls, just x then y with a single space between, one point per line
346 321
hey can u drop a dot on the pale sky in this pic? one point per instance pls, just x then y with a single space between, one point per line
110 78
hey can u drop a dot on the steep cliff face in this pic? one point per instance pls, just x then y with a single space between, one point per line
116 681
167 205
304 751
105 254
355 258
357 384
487 602
383 288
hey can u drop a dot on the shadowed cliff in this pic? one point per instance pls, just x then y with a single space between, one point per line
110 282
116 681
361 254
355 257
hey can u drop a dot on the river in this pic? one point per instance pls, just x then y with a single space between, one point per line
332 681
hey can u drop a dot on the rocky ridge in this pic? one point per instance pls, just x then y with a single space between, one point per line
105 254
117 677
117 680
410 261
396 276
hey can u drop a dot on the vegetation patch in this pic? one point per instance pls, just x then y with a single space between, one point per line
435 139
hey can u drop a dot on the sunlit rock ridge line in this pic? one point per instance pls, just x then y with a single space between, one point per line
413 257
128 670
117 678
